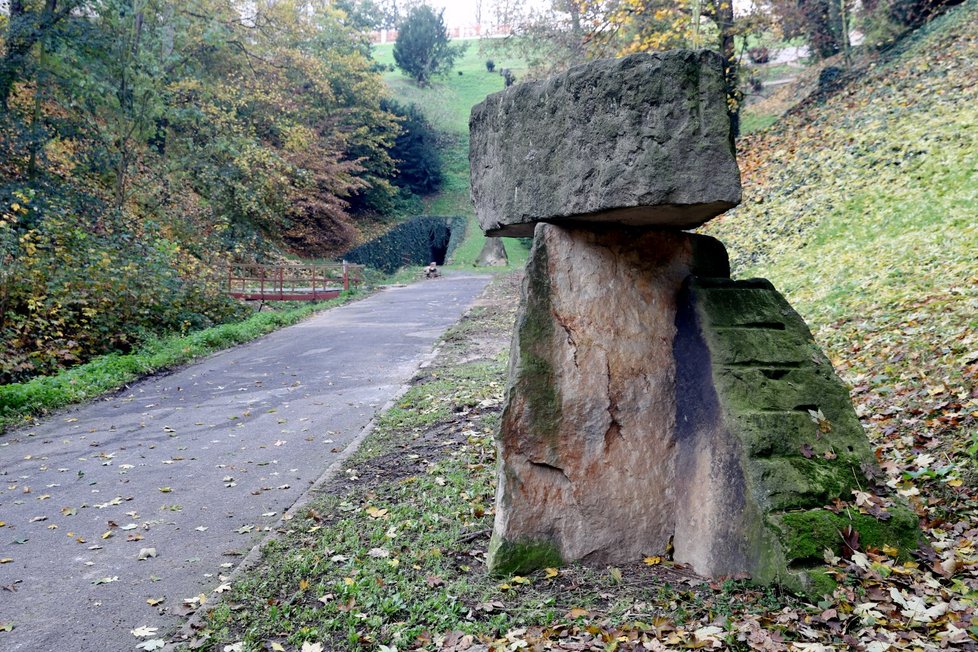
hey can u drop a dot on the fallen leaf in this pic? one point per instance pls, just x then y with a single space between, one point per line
374 512
144 631
146 553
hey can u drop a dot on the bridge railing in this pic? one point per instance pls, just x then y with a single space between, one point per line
253 282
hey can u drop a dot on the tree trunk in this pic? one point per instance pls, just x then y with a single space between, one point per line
723 10
25 28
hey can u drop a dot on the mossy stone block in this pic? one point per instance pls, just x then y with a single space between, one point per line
514 557
805 535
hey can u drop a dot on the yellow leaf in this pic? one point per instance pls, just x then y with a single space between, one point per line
616 574
155 601
303 585
374 512
890 551
653 560
106 535
348 581
277 647
576 613
165 490
956 482
550 573
6 560
517 579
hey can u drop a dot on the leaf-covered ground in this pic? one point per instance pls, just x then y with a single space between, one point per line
861 206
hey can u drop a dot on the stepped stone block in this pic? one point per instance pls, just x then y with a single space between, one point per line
640 141
651 397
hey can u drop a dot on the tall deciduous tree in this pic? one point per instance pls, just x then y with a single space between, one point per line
422 49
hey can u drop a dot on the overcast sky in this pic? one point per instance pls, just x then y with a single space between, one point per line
463 12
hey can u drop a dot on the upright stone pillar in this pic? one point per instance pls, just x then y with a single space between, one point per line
651 398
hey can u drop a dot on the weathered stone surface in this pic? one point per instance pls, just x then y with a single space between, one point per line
493 254
586 441
652 397
765 437
643 141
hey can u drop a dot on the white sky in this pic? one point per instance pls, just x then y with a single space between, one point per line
463 12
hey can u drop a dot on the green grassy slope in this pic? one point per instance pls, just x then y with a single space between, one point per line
863 208
447 103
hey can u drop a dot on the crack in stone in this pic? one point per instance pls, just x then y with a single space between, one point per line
551 468
570 336
614 429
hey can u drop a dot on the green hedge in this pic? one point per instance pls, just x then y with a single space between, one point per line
418 241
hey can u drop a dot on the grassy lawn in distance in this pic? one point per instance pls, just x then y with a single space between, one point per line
447 102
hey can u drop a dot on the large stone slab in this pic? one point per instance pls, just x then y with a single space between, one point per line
652 398
642 141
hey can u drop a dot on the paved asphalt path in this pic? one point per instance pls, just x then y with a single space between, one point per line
199 464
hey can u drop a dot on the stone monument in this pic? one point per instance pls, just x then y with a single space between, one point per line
651 398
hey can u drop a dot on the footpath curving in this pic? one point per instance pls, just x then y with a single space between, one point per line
116 513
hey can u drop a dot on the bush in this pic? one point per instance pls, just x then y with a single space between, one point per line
69 292
884 21
419 164
759 54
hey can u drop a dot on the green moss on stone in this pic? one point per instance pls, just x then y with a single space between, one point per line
515 557
806 534
538 384
818 582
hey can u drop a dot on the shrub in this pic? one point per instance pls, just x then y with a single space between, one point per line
69 292
419 162
759 54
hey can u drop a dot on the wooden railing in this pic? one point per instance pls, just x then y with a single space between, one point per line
291 282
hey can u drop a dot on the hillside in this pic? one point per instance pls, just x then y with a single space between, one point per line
447 103
861 207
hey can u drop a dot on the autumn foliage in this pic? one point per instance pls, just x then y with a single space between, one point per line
143 142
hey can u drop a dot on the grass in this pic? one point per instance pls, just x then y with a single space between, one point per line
447 103
751 121
19 402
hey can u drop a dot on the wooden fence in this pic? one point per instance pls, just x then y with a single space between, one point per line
291 282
